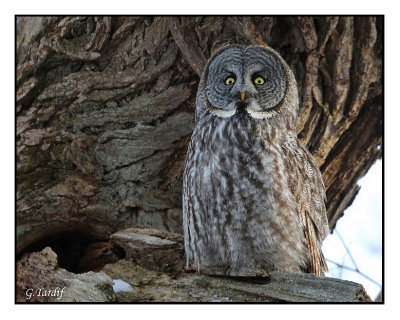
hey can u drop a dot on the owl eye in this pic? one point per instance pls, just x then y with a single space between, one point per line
259 80
229 81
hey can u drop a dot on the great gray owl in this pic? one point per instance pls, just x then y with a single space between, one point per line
253 197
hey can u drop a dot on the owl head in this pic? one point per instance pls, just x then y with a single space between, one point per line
252 81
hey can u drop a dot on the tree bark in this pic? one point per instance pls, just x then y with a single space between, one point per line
152 272
105 110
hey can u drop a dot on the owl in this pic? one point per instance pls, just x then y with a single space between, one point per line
253 196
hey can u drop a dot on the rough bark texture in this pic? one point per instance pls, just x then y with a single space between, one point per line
153 272
41 280
105 110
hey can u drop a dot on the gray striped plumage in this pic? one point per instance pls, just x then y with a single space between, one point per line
253 197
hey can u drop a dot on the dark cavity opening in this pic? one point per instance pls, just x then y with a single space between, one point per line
78 252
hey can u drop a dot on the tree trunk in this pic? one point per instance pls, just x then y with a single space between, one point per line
105 110
152 272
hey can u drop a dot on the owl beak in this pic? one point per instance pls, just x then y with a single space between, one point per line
242 96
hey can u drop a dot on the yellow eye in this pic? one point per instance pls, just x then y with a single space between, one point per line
259 80
229 81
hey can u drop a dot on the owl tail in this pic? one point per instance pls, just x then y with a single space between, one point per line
317 263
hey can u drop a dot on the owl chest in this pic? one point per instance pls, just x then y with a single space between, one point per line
236 172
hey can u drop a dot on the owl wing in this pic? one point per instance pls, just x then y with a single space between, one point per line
307 187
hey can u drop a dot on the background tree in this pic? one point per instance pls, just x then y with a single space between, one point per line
105 110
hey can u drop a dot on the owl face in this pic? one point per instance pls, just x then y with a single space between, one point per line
246 80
